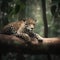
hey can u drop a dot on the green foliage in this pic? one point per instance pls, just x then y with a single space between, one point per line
17 8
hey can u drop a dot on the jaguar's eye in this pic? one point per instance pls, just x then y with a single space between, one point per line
26 24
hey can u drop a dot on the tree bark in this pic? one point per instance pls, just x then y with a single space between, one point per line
44 18
10 43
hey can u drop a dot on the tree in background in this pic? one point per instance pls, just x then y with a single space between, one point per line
44 18
55 10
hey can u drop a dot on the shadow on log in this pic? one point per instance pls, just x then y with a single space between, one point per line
10 43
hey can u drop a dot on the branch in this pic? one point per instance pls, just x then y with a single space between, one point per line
10 43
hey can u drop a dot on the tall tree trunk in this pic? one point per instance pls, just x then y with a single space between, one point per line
45 23
44 18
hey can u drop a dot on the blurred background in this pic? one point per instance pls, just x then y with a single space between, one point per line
46 12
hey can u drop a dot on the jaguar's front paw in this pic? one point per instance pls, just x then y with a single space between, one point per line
39 38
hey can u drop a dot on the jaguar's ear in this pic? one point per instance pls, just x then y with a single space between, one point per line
23 19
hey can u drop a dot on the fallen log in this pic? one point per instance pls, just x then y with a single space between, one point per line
10 43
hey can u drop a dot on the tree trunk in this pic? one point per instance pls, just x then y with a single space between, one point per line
44 18
10 43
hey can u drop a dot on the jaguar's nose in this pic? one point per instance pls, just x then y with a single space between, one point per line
32 28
